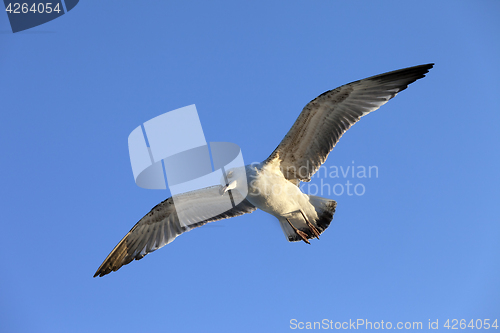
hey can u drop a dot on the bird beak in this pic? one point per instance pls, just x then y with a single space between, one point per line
230 186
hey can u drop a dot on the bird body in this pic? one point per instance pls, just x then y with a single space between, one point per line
273 185
271 192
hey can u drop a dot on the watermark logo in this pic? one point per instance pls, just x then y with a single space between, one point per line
171 148
333 180
27 14
341 180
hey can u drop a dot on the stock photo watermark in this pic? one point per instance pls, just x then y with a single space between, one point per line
356 324
171 149
329 177
333 180
27 14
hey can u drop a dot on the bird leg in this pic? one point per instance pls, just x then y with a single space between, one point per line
310 225
302 234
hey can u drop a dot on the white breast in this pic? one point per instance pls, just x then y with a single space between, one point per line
270 191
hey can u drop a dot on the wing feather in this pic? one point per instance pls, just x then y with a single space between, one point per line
325 119
161 226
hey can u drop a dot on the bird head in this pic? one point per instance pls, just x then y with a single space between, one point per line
233 179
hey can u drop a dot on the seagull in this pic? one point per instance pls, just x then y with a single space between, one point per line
273 185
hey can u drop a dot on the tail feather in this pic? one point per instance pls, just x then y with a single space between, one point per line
325 208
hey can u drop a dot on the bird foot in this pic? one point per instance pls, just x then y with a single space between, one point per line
310 225
302 234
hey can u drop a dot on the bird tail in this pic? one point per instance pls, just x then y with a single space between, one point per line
325 208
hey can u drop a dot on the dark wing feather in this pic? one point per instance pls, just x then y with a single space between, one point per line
323 121
161 226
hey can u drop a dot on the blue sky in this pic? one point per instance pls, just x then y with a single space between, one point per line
421 243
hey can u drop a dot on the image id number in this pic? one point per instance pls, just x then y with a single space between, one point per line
18 8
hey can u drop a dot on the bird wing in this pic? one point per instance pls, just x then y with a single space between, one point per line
323 120
161 225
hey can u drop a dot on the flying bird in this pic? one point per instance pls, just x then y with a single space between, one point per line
273 185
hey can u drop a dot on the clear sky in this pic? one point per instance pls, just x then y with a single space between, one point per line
421 243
